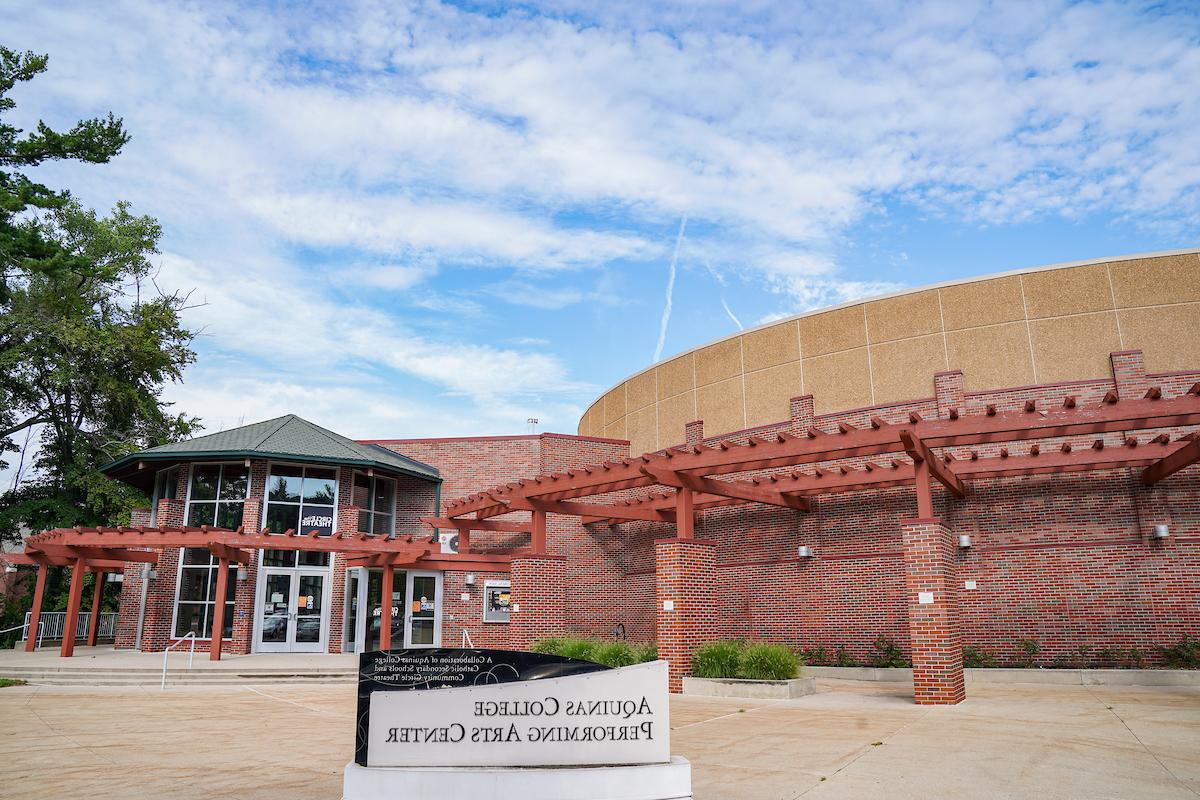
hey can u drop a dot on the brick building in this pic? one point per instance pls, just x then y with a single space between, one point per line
989 463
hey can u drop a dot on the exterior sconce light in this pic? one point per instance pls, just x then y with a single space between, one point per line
114 577
1161 531
964 541
243 573
151 574
469 580
10 567
804 551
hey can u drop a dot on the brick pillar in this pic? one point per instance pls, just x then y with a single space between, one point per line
949 392
686 613
933 626
539 600
128 607
693 432
1129 374
160 599
337 603
801 412
244 600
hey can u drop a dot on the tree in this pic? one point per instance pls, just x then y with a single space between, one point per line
87 340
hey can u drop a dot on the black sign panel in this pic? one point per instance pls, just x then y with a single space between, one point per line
443 667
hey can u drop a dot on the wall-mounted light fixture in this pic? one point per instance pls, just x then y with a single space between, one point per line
964 540
1162 531
243 573
469 580
114 577
10 567
804 551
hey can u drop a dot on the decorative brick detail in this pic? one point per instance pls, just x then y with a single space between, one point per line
933 626
949 392
684 579
539 591
1129 374
693 432
801 412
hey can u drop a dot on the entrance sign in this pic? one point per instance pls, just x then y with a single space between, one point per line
481 708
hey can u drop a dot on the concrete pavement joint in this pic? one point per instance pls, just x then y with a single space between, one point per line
1112 710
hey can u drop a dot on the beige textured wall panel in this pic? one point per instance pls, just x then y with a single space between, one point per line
642 431
720 405
992 357
903 370
767 347
990 302
838 381
675 376
841 329
905 316
1057 292
769 392
1155 281
718 361
614 405
1073 348
616 430
640 391
1168 335
594 421
673 414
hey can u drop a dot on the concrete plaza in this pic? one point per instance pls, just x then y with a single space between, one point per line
851 739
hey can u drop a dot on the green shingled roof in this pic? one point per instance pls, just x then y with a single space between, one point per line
289 438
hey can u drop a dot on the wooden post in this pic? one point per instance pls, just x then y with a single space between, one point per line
385 611
684 514
94 622
464 541
537 534
218 625
74 599
35 613
924 490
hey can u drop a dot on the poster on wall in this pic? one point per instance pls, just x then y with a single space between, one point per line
318 518
497 601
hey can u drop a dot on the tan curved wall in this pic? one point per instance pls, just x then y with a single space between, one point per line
1033 326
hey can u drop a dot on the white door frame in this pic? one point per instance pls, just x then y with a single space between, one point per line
290 645
437 607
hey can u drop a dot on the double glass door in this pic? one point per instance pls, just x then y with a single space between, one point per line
294 619
416 609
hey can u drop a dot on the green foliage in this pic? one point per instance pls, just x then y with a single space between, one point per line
6 682
887 654
717 659
768 662
611 653
1030 648
816 656
843 658
1184 655
975 658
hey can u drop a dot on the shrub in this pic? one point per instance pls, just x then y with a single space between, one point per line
1185 655
844 659
768 662
645 652
1134 659
547 647
1031 649
975 658
614 654
817 656
717 659
887 654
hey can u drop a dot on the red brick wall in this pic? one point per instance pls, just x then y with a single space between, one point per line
684 578
539 598
935 636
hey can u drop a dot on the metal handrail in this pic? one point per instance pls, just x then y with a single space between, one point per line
191 635
466 640
24 628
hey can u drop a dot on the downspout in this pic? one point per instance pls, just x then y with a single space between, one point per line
437 510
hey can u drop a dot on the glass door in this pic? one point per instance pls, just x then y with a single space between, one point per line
293 612
423 610
275 631
309 618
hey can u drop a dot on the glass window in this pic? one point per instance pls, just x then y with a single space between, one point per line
376 501
196 594
301 499
285 484
217 495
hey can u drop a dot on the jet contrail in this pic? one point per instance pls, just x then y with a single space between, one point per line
736 321
666 315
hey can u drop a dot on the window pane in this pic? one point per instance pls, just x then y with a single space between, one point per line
227 628
319 487
202 513
230 585
229 515
193 583
197 556
204 481
362 491
279 558
285 484
382 501
312 558
234 481
189 618
383 524
281 518
170 483
364 521
422 631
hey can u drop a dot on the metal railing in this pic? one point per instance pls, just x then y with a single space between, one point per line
25 630
191 635
51 624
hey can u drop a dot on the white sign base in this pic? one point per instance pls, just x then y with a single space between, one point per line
669 781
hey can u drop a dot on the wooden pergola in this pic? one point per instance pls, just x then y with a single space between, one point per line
796 465
109 549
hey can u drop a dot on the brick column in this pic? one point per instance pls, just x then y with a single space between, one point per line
539 600
244 601
337 603
949 391
801 412
685 613
1129 374
693 432
933 626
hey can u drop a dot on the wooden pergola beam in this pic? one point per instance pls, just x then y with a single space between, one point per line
918 451
468 524
230 553
738 490
1180 458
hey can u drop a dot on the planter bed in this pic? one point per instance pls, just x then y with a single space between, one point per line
749 689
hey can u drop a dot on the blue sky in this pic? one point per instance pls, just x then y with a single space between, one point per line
441 219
